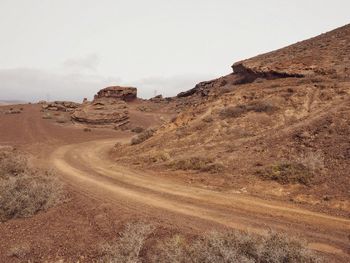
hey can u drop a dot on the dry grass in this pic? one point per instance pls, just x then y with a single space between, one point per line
47 116
127 248
287 172
301 169
138 244
235 246
137 129
239 110
143 136
19 251
25 191
197 164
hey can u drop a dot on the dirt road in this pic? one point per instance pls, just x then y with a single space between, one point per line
88 167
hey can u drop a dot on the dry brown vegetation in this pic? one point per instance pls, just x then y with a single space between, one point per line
198 164
238 110
25 191
143 136
136 244
287 172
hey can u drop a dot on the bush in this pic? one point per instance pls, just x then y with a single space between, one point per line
208 119
142 136
237 111
287 172
198 164
233 111
47 116
235 246
24 191
127 248
137 129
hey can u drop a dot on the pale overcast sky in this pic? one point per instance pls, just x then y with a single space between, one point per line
69 49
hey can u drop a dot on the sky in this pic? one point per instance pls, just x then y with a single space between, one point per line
69 49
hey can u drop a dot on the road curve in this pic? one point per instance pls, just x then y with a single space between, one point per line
88 167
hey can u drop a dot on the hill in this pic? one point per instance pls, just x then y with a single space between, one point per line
277 126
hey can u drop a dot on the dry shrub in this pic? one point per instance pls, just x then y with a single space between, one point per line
197 164
287 172
208 119
47 116
19 251
235 246
314 161
142 136
302 169
25 191
239 110
233 111
127 248
137 129
61 121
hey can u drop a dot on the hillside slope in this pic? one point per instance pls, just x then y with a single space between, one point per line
277 126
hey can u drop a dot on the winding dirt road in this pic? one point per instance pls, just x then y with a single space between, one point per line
88 167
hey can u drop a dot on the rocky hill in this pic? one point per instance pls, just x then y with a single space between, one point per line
277 126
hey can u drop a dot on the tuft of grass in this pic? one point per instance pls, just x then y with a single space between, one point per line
24 191
143 136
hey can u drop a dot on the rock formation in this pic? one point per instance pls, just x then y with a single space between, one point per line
117 92
109 107
65 106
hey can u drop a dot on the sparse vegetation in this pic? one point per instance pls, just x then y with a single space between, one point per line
208 119
142 136
128 246
24 191
238 110
235 246
301 170
287 172
137 129
214 247
197 164
19 251
47 116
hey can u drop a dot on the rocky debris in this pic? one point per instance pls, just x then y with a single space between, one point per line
102 111
65 106
118 92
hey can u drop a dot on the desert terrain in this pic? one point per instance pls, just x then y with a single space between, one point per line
264 148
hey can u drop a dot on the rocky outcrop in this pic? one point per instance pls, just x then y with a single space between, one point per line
102 111
109 107
117 92
65 106
327 55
